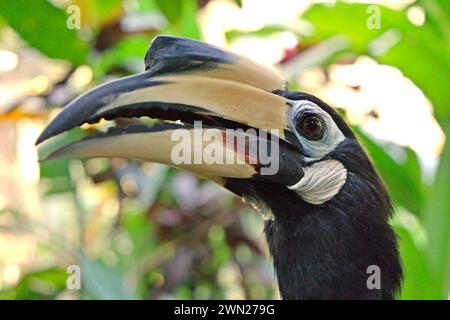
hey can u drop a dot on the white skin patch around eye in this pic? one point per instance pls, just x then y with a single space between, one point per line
314 150
321 182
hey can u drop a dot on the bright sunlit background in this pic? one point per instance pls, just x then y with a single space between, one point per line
141 230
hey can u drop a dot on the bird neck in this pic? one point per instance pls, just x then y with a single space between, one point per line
343 249
325 257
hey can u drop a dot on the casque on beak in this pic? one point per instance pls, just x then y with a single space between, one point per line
187 81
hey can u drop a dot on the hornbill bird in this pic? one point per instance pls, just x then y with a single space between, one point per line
326 208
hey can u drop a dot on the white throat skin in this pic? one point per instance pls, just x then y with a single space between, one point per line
321 182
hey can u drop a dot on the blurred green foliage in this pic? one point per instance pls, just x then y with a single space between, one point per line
39 20
423 55
168 241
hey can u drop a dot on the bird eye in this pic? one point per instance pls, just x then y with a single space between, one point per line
311 126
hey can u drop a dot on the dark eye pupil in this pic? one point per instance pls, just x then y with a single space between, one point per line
311 127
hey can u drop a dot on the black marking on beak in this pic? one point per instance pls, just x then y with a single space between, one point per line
83 109
175 55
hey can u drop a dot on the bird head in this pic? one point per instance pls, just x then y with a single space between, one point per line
291 155
186 83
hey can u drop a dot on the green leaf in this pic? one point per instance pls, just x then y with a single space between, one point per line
141 233
103 283
128 52
437 219
422 60
44 27
188 24
418 281
37 285
147 5
238 2
421 53
104 11
263 32
56 172
185 24
173 9
438 15
341 19
402 179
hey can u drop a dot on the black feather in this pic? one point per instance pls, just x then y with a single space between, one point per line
323 251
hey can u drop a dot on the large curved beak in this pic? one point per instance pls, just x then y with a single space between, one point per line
188 98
